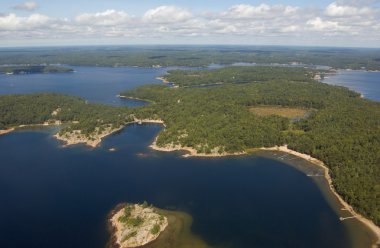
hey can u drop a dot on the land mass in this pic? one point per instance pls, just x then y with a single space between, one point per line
135 225
157 56
342 129
140 225
33 69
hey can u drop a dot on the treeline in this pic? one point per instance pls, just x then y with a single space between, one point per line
342 129
238 75
30 109
33 69
147 56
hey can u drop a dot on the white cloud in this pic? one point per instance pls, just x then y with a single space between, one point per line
12 22
336 10
29 6
166 14
106 18
290 29
358 2
262 11
242 22
321 25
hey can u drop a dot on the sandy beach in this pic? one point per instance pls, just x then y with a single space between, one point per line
51 123
163 80
374 228
6 131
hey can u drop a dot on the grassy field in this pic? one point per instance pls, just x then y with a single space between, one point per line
286 112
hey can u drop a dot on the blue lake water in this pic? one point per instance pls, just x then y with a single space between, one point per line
60 197
366 83
95 84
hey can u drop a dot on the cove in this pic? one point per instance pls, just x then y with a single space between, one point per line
60 197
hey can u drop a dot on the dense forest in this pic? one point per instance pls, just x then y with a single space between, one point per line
146 56
76 113
238 75
33 69
342 129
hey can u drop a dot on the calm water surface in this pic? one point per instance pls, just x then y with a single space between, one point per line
60 197
366 83
95 84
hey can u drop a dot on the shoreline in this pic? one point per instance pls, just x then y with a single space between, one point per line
192 152
84 140
94 142
163 80
45 124
367 222
115 227
5 131
133 98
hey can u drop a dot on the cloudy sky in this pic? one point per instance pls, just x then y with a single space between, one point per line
92 22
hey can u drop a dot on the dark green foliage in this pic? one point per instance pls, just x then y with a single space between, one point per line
33 109
346 58
129 235
29 109
135 222
237 75
343 130
33 69
127 213
155 229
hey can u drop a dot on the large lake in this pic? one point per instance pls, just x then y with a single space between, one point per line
364 82
60 197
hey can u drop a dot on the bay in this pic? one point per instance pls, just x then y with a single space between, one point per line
365 82
60 197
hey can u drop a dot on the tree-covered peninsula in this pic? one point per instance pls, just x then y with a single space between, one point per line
337 127
83 122
341 128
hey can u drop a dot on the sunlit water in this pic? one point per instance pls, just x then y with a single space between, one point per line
364 82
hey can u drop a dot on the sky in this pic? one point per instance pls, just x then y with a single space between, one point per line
340 23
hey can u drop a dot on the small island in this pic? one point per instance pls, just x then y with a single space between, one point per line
142 225
135 225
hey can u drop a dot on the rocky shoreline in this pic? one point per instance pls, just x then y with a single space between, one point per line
127 232
192 152
93 140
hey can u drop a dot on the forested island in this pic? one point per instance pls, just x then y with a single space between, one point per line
33 69
249 108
